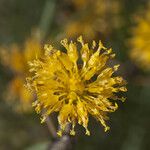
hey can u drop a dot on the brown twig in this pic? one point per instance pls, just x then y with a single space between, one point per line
62 143
51 127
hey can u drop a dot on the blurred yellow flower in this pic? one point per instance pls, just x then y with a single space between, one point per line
76 83
93 18
140 41
16 59
79 3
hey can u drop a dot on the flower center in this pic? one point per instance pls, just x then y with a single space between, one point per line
76 85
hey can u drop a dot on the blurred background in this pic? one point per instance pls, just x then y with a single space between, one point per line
25 25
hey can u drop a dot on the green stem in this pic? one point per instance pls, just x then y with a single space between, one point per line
46 18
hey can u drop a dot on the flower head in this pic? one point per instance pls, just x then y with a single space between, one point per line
82 22
76 83
140 41
17 60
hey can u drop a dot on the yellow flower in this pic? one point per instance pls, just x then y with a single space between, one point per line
18 91
79 3
76 83
93 18
140 41
16 60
